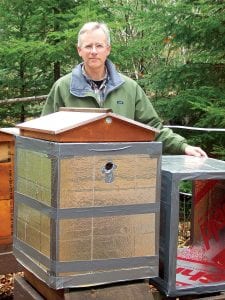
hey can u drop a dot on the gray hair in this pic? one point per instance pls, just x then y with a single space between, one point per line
90 26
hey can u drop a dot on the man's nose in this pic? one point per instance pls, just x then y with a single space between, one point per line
93 49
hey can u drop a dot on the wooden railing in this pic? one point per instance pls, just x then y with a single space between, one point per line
23 99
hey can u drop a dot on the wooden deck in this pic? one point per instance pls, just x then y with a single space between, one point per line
31 288
8 263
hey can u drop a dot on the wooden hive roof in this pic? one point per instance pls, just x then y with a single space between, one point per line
8 134
86 125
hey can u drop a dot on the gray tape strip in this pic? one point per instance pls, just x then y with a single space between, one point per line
184 167
82 266
98 278
151 148
86 149
109 264
108 211
31 252
45 209
36 145
171 291
68 213
90 279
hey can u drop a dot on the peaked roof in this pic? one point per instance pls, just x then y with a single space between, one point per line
60 125
8 134
10 130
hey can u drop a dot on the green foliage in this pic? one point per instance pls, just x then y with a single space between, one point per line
174 49
185 186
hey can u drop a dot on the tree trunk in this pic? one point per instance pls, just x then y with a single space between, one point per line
56 70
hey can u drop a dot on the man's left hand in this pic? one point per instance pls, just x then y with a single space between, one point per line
195 151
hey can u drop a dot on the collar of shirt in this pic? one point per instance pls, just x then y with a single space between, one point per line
99 90
92 83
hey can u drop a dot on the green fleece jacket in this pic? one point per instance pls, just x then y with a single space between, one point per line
122 94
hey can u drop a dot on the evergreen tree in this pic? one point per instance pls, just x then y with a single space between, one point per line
174 49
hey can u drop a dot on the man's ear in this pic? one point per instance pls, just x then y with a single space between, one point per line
78 50
109 50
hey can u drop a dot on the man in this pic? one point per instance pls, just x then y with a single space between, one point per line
96 83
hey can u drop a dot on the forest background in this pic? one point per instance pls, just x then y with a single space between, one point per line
175 49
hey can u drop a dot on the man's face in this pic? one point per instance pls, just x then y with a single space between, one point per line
94 49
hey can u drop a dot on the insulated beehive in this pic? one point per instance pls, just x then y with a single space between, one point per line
197 268
87 213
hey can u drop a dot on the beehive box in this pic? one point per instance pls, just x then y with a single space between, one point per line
87 213
7 144
199 267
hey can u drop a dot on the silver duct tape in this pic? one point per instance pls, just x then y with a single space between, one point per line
81 182
85 280
30 264
84 181
101 237
21 247
83 266
176 169
151 148
186 167
98 278
63 150
174 291
69 213
80 214
45 147
33 203
107 180
104 265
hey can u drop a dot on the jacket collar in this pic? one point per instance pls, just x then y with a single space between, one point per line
79 86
